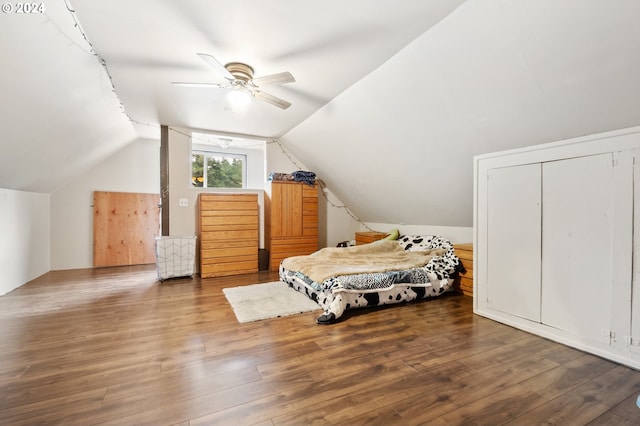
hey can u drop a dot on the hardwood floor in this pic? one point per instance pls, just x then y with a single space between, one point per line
115 346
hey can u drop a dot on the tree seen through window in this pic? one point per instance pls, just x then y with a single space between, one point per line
222 170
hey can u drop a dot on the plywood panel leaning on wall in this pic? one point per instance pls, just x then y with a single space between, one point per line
125 226
291 219
228 231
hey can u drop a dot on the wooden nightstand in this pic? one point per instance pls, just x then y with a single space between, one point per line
369 237
464 282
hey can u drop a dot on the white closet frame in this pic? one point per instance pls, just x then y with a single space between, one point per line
593 304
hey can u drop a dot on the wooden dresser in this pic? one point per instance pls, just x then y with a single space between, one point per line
464 282
369 237
291 220
228 232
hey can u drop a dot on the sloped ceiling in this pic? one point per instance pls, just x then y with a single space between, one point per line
326 45
389 105
60 113
57 111
493 75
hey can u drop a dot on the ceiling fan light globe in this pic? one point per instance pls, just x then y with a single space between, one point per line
239 98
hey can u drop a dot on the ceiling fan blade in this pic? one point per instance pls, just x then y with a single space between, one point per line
280 103
280 78
213 62
216 85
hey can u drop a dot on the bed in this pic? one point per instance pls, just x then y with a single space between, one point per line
375 274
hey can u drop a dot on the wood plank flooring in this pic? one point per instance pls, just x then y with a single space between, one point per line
115 346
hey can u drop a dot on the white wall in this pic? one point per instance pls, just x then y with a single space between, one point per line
335 224
398 145
24 237
134 168
182 220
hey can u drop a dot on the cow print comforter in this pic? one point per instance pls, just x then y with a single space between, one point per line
341 293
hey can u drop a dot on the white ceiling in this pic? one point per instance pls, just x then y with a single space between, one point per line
326 45
492 75
60 114
391 100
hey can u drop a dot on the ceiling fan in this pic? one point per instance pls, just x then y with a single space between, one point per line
240 78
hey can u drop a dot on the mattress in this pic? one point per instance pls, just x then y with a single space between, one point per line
418 267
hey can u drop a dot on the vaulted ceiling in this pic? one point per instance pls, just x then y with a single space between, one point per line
390 103
326 45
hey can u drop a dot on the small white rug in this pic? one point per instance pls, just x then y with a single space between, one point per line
269 300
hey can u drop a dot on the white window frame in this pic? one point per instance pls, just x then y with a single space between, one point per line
211 153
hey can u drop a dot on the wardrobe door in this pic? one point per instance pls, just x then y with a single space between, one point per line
286 208
513 240
577 245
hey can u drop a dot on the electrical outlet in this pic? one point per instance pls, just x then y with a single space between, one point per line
183 202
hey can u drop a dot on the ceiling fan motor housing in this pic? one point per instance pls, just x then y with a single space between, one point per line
240 78
240 71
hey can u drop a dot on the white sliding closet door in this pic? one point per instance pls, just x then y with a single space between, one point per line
513 240
577 245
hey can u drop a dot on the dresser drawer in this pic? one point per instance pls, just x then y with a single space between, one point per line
464 281
369 237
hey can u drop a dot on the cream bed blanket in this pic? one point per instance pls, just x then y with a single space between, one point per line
380 256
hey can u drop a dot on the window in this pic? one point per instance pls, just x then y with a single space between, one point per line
225 161
211 169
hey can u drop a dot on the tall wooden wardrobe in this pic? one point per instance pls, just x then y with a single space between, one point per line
291 220
228 233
